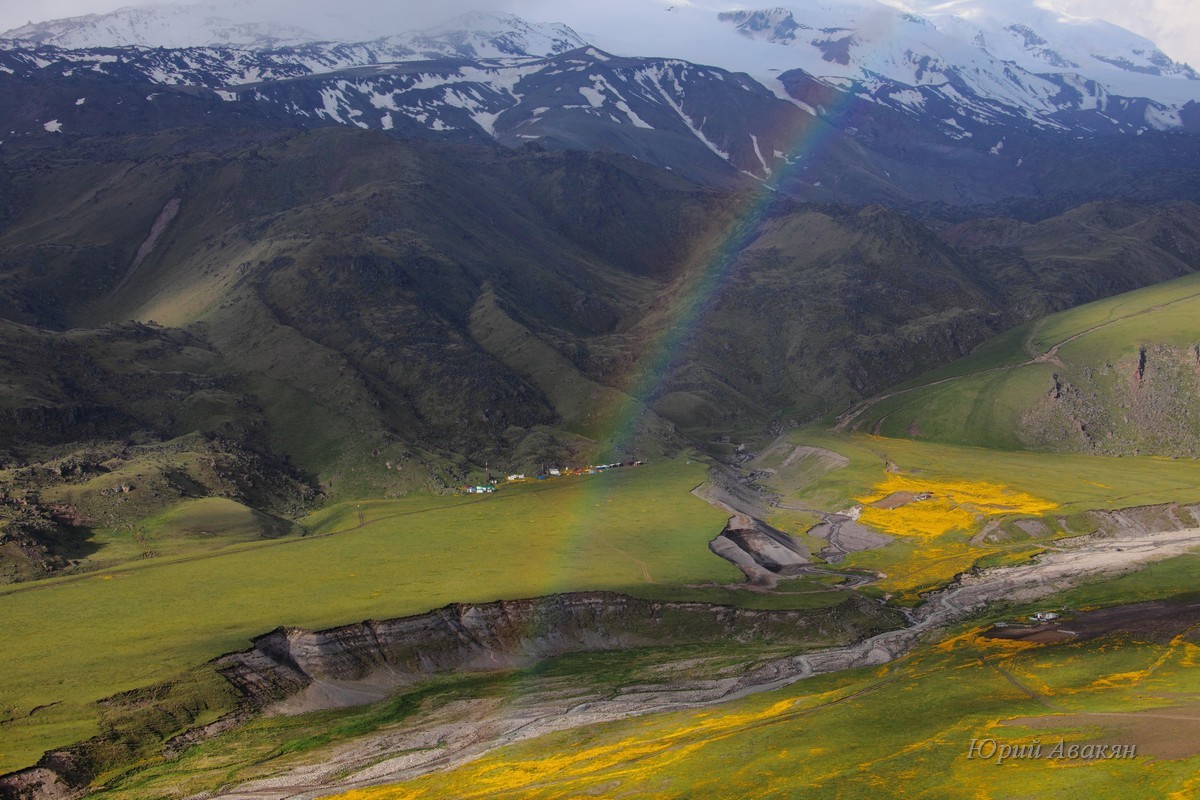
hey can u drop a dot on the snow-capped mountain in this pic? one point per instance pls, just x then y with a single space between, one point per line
884 79
968 37
485 35
700 121
225 67
473 35
960 64
965 61
226 25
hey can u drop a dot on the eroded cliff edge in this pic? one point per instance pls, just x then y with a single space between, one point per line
291 670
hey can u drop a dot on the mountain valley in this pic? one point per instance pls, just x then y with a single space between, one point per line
558 416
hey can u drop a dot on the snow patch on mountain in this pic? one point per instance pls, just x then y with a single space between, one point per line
964 67
1012 51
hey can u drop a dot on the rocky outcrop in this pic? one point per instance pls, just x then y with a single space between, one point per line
37 783
845 536
763 553
293 670
1144 403
1145 519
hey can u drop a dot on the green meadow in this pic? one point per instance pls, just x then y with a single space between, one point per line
935 541
1164 311
866 733
854 734
74 640
200 578
1074 482
191 527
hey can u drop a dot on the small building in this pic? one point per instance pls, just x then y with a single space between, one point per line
517 476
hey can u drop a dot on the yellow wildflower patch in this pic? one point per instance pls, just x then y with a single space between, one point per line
975 641
932 519
1191 655
951 505
1189 790
630 758
927 518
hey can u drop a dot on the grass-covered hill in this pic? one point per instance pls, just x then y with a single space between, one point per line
358 316
1117 377
385 286
339 333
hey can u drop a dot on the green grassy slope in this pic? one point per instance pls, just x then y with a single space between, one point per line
905 729
334 277
74 640
1074 482
1116 376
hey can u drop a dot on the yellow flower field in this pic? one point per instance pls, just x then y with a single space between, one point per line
953 505
933 535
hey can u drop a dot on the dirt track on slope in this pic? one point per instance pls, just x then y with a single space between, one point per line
850 416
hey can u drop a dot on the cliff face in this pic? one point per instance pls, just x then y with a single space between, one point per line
292 670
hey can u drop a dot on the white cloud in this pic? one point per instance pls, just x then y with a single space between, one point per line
1172 24
365 18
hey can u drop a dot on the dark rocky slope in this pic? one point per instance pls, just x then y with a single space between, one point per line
403 277
370 317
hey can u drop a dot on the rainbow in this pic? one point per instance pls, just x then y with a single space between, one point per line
715 256
662 353
691 301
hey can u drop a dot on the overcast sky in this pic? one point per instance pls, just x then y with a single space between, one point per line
1173 24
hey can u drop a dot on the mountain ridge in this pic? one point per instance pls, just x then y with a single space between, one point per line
401 274
842 48
889 125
